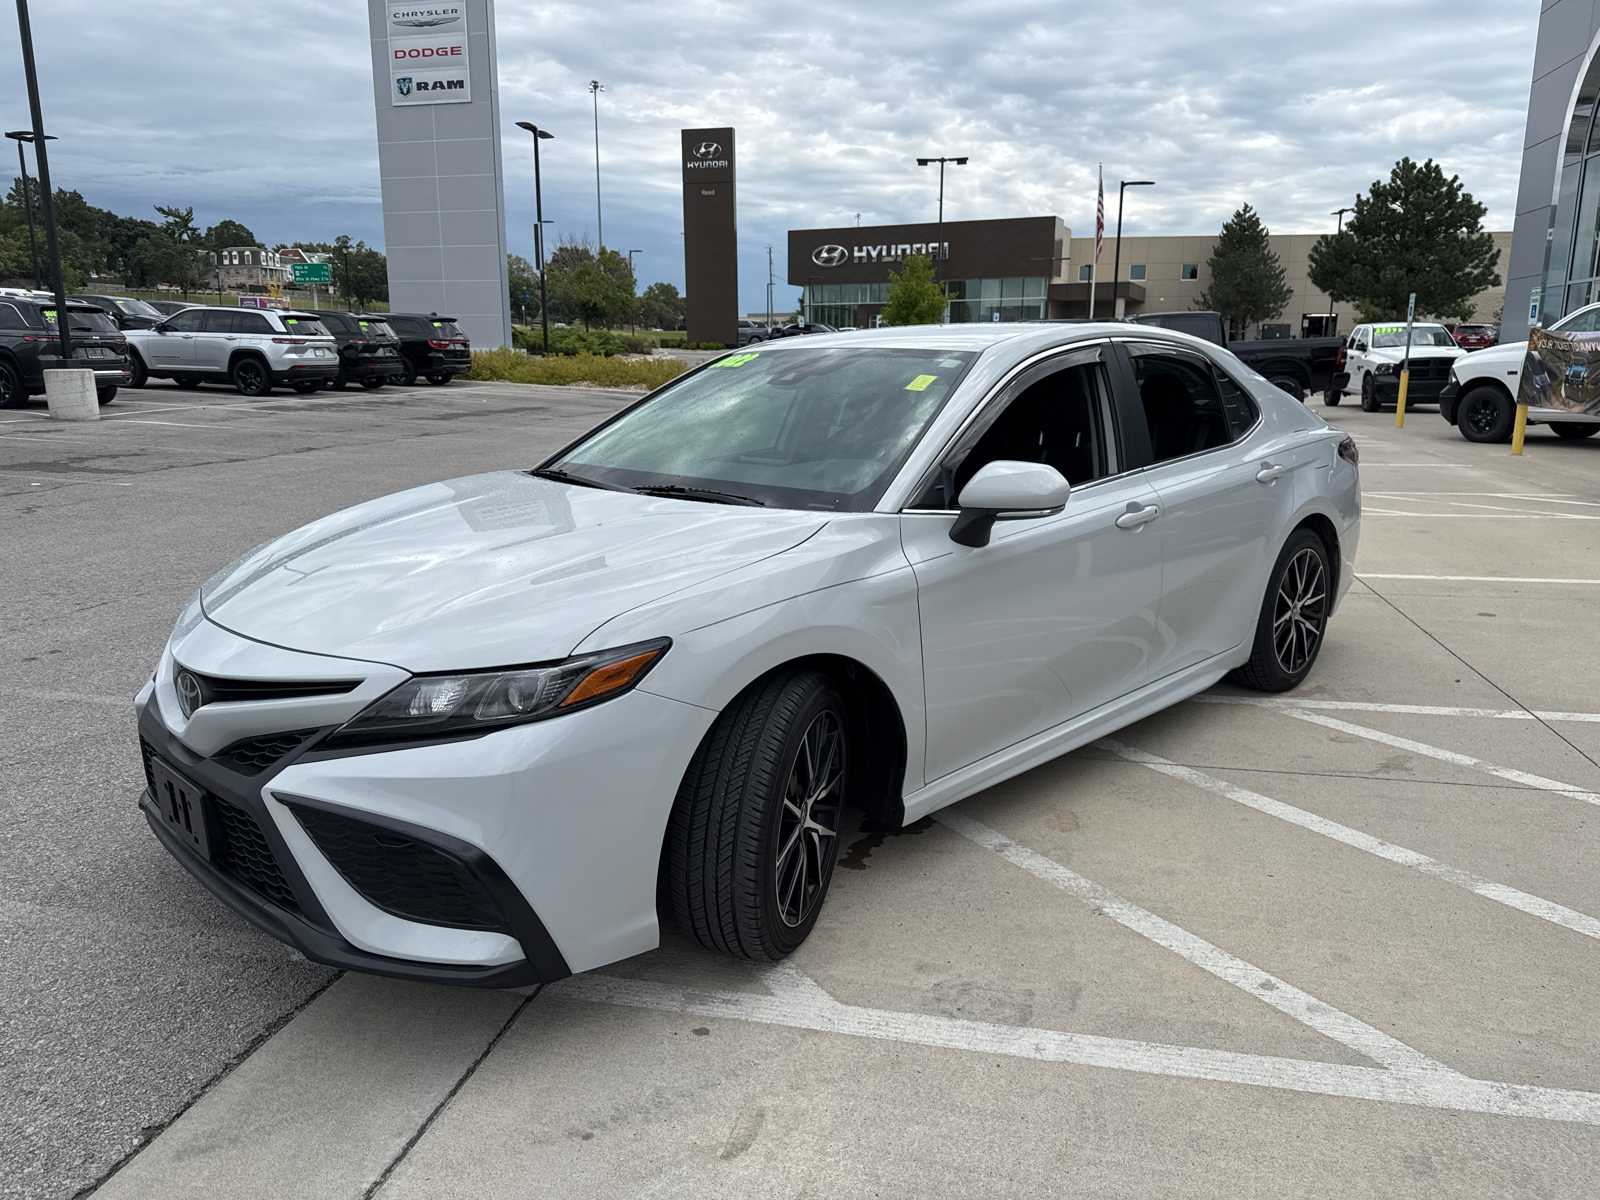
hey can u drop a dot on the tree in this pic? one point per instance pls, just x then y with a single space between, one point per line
361 273
593 288
179 224
1421 233
914 298
1247 278
661 307
228 233
524 286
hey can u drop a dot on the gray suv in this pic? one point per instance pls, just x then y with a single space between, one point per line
253 349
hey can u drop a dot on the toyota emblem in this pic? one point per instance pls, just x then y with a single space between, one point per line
829 256
708 150
190 695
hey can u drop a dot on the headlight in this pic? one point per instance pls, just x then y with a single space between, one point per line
432 706
1385 368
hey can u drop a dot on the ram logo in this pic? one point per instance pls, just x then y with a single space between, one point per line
829 256
403 85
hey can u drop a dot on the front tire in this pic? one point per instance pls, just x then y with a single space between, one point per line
138 376
1293 619
1574 429
754 830
1486 414
1369 395
106 394
12 393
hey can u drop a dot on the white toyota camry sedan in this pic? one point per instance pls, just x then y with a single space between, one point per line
491 731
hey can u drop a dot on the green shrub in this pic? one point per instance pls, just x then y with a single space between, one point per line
568 341
634 345
573 369
705 346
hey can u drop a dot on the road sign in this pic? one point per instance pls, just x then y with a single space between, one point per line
312 273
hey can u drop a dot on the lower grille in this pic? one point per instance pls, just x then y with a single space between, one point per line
246 855
254 755
147 752
402 875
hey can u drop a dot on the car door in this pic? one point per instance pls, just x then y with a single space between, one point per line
215 340
1056 615
172 346
1356 361
1225 485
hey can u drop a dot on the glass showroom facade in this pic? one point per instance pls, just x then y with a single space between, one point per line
1572 267
1019 298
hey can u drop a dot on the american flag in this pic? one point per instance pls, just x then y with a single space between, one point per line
1100 215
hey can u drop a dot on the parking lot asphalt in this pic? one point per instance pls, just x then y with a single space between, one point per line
1339 943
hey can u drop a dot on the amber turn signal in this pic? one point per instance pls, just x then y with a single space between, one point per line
609 678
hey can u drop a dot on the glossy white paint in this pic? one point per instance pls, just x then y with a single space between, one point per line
1015 487
1061 630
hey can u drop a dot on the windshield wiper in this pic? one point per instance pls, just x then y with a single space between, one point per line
561 476
678 491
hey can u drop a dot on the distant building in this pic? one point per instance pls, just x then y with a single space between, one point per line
250 268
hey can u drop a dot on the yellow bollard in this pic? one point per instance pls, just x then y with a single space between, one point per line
1520 429
1400 409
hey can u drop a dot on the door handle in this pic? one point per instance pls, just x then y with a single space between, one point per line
1136 517
1269 472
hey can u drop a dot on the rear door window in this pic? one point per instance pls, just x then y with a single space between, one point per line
1181 402
253 323
221 321
11 317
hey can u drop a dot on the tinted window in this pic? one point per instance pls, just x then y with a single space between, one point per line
220 320
82 322
337 324
1182 405
794 428
1587 321
446 329
11 317
305 327
188 321
1237 406
1056 421
407 326
377 329
253 322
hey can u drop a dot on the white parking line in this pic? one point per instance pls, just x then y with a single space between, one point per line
1287 999
1536 906
1418 710
821 1013
1478 578
1480 516
1510 774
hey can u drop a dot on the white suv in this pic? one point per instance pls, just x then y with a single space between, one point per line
253 349
1481 398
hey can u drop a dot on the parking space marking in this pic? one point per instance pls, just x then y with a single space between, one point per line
1535 906
1418 710
1286 998
821 1013
1481 516
1479 578
1511 774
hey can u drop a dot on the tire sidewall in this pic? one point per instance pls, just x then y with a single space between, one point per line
138 373
1266 664
1369 394
1504 412
239 373
12 393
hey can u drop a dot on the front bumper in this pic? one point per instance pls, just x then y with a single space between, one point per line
1418 391
1449 397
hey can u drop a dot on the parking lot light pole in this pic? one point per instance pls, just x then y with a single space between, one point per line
538 226
1116 260
634 310
42 159
19 136
939 249
595 88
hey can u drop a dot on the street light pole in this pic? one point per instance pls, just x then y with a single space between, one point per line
1339 213
635 308
939 250
52 244
1116 263
768 321
19 136
538 226
595 88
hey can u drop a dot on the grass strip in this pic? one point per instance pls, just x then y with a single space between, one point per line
576 369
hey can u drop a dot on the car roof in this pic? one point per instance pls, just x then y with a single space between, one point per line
418 316
1018 335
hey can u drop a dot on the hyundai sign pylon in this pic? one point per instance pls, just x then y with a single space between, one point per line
710 238
435 84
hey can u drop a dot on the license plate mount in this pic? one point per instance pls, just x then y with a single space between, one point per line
184 808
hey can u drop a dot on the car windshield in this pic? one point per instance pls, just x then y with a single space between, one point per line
798 427
137 308
82 321
1393 337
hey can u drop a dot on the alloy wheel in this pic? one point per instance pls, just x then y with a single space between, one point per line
1300 611
809 828
1481 417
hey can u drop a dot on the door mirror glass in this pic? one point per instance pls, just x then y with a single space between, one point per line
1007 490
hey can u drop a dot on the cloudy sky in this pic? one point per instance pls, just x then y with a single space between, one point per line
262 112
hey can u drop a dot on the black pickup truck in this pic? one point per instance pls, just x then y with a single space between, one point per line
1299 366
29 344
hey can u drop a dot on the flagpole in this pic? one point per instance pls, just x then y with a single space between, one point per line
1099 234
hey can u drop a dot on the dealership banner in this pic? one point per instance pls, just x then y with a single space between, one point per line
1562 370
428 54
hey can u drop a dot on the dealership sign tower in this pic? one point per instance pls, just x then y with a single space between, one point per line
710 236
436 87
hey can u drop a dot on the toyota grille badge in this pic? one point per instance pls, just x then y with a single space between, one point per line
190 697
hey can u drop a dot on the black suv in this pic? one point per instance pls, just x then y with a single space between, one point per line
29 345
431 346
127 312
369 352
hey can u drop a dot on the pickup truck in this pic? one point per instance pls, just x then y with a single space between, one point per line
1296 365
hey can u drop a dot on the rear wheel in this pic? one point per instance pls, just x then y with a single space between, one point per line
1486 415
12 393
440 378
186 381
1288 383
408 376
374 381
1574 429
1332 396
106 394
251 378
336 384
305 386
1369 395
754 830
1294 615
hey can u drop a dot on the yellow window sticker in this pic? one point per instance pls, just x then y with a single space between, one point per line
920 383
735 360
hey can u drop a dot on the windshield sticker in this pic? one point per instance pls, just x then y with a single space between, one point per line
1389 329
735 360
920 383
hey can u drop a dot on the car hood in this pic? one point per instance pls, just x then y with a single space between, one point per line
1396 353
486 571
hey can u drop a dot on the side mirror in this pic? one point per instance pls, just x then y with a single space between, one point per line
1006 490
